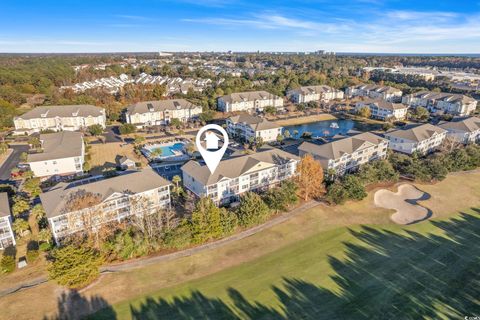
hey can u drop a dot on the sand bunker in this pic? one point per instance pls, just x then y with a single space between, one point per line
404 202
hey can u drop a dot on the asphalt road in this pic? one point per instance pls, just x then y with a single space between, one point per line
11 161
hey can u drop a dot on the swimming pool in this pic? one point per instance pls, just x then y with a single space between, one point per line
167 150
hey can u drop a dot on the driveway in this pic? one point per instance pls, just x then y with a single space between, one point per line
12 161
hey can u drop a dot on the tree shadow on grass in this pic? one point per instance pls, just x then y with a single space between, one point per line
385 275
71 305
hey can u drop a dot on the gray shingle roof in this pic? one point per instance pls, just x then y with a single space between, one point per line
443 96
377 88
249 96
382 104
58 145
256 123
416 133
55 199
314 89
160 105
4 205
468 124
235 167
336 149
83 110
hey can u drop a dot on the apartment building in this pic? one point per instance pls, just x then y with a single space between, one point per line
314 93
383 110
375 92
347 154
62 154
249 101
456 104
423 138
246 127
463 129
6 233
161 112
238 175
133 193
59 118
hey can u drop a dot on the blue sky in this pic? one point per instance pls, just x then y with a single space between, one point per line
396 26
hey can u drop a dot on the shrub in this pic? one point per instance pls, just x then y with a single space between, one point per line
74 266
278 199
127 128
387 126
32 255
229 221
20 206
95 129
20 226
377 171
7 264
126 244
179 237
44 247
349 187
32 251
364 112
354 187
336 193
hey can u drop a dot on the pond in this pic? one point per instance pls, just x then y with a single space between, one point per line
330 128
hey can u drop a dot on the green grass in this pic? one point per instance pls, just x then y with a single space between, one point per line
425 270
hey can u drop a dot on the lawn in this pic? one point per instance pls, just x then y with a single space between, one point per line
347 261
305 119
310 247
104 155
365 272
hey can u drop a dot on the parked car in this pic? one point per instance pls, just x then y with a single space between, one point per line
23 166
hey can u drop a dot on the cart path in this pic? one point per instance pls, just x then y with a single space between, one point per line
141 262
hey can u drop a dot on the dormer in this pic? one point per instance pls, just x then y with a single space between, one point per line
75 114
44 115
177 105
150 107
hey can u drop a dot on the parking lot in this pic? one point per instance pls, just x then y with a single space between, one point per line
12 161
168 171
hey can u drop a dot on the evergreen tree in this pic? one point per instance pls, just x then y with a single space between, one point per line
252 210
206 221
74 266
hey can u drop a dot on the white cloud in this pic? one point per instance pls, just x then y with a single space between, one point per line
391 31
275 21
420 15
132 17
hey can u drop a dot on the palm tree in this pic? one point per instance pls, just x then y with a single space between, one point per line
176 179
155 153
